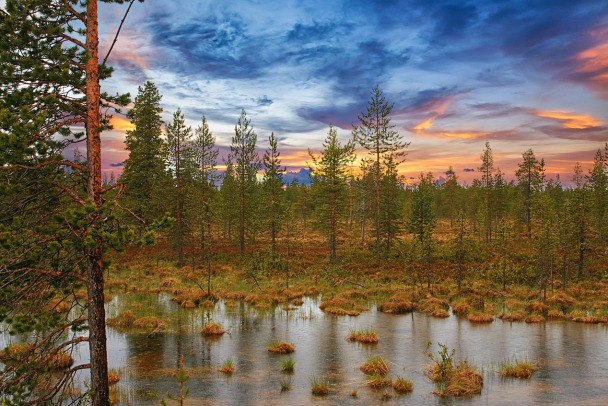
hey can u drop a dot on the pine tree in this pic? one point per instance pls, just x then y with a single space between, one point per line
273 189
376 135
450 187
49 83
487 183
205 157
246 166
330 174
423 220
530 177
178 153
598 184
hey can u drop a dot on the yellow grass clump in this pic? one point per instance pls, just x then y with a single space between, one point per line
367 336
397 304
480 318
517 369
375 366
123 320
402 385
281 347
212 328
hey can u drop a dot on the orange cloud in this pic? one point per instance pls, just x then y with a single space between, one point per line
121 124
429 121
594 64
567 119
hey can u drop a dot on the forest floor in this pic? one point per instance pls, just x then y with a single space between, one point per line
358 282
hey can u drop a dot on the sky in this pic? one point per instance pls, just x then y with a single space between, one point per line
520 74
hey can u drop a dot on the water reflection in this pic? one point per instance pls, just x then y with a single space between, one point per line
574 356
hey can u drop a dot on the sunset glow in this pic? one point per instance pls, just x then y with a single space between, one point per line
516 74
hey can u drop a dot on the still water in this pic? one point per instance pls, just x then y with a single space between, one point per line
573 357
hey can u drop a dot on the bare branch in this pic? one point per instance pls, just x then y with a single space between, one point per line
117 32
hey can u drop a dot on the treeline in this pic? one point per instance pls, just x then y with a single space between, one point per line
562 227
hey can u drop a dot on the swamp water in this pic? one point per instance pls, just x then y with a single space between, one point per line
573 357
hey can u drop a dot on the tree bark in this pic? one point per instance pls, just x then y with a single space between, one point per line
95 283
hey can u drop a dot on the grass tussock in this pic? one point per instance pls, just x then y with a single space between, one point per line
461 309
113 378
285 384
480 317
319 387
288 365
434 306
397 304
452 379
212 328
123 320
534 318
149 322
379 381
402 385
517 369
281 347
366 336
342 306
227 367
375 366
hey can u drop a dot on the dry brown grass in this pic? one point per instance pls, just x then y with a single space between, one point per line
537 307
534 318
367 336
281 347
461 309
517 369
375 366
123 320
517 316
465 381
402 385
397 304
149 322
480 318
378 381
212 328
113 378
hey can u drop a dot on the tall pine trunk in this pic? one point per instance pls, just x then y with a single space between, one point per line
95 283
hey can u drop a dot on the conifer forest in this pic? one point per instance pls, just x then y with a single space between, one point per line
207 270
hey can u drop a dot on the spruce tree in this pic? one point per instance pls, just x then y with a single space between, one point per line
144 170
423 220
530 177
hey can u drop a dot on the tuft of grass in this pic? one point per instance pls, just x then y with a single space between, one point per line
386 396
534 318
212 328
281 347
517 369
113 377
287 365
367 336
378 381
227 367
452 379
480 318
285 384
375 366
402 385
123 320
318 386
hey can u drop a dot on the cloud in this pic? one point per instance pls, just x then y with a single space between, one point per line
117 164
262 101
468 170
568 119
